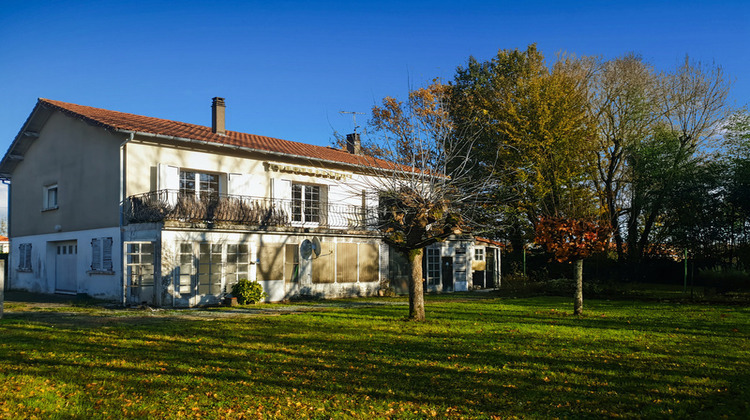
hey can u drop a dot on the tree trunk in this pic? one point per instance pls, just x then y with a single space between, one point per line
416 287
578 298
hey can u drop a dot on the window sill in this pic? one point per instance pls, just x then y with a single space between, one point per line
50 208
23 270
100 272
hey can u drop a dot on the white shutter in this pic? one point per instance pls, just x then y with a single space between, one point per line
240 184
168 179
337 194
282 189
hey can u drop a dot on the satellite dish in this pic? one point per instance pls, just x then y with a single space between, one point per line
306 249
316 248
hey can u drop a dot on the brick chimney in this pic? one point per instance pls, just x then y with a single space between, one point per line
353 144
217 116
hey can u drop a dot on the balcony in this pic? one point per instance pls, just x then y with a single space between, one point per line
171 205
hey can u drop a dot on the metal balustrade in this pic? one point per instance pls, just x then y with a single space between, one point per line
172 205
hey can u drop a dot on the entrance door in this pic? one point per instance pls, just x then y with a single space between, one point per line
66 256
447 273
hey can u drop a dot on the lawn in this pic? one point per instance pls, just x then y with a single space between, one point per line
477 356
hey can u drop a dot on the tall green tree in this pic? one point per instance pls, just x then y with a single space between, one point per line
537 135
543 131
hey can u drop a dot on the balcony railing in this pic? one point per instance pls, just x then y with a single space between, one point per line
163 205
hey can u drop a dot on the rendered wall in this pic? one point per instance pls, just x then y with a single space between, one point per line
84 162
41 278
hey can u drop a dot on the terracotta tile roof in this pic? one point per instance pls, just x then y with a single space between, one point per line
489 242
122 121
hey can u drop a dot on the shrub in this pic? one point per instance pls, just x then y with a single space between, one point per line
247 291
724 279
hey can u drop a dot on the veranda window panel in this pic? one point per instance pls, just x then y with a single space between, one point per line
271 261
346 263
323 266
368 263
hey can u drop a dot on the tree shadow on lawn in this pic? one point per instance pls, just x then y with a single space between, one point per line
324 358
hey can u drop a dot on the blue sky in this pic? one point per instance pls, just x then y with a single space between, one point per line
287 68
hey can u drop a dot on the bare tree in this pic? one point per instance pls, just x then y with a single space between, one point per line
693 107
425 192
625 101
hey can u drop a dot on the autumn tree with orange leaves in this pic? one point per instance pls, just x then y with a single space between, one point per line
572 240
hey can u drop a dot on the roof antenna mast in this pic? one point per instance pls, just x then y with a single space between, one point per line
354 117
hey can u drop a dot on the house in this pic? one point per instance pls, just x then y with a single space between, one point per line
459 264
141 209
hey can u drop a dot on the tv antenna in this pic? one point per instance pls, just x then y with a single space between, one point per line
354 117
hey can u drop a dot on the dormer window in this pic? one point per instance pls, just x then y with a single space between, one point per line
49 198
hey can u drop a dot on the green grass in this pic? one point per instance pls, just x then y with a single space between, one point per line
477 356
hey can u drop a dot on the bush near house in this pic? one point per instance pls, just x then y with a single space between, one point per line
247 291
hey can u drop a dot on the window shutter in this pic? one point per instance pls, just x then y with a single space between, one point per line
107 254
96 254
24 260
282 189
21 255
242 184
168 178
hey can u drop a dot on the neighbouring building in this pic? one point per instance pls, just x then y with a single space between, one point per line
140 209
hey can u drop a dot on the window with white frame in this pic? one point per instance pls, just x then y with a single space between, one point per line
478 254
199 185
209 267
101 254
187 268
24 257
238 264
49 198
306 203
433 266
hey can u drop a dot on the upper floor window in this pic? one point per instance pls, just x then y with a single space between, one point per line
49 198
306 203
199 185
